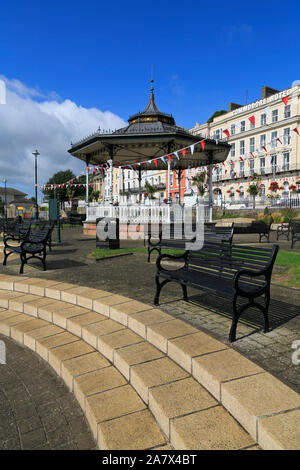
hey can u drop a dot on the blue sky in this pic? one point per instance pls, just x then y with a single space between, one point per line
99 54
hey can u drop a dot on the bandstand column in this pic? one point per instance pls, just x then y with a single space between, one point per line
87 182
179 185
210 188
168 187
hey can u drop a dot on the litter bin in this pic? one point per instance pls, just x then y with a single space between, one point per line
107 233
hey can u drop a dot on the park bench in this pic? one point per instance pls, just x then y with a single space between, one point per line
226 270
295 231
33 246
17 231
216 234
260 227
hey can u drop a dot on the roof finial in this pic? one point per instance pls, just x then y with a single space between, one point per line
151 89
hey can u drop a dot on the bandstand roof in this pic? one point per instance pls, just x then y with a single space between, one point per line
150 134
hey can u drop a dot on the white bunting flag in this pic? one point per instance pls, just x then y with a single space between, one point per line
163 159
267 110
238 124
176 155
192 148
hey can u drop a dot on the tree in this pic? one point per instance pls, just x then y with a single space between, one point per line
216 114
65 193
150 189
198 180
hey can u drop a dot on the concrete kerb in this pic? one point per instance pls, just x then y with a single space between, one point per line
194 351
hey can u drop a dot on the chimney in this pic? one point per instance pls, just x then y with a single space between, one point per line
266 91
233 106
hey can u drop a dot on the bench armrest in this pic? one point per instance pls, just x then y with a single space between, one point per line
161 257
249 272
150 243
6 238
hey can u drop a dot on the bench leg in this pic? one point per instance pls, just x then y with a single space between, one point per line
23 261
184 291
235 319
159 286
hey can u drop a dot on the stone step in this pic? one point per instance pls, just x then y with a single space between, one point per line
118 418
132 334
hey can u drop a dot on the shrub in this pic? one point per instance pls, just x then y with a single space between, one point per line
277 217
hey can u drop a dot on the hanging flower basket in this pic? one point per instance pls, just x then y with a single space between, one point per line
238 191
292 187
274 186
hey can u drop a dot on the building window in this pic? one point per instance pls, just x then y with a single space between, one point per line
219 134
274 139
286 161
242 169
159 179
252 144
232 129
273 162
232 151
286 136
263 119
251 167
232 170
252 126
263 140
242 193
243 126
262 164
231 192
275 115
242 147
287 111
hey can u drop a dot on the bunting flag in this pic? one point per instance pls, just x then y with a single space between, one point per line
163 159
285 100
251 154
252 120
278 140
192 148
202 144
264 148
267 110
176 155
238 124
296 130
183 152
169 157
226 132
155 161
241 159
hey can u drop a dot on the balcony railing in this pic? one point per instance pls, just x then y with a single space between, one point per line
136 190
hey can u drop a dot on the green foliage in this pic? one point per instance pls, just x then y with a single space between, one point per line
65 194
216 114
266 211
150 189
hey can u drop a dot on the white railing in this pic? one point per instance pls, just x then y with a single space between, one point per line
140 213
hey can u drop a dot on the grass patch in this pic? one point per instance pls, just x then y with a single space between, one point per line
290 276
102 253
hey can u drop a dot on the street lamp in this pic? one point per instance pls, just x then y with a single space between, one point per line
36 154
5 206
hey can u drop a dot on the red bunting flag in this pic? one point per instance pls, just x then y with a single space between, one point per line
264 149
223 163
183 152
285 100
252 120
251 154
226 132
202 144
279 140
169 157
155 161
296 130
241 159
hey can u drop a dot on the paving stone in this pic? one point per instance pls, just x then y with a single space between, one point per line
81 365
132 432
54 292
86 299
46 312
68 351
161 333
17 303
212 429
150 374
13 319
33 439
39 333
103 304
280 432
32 307
43 345
75 325
112 404
17 332
70 295
38 288
176 399
138 322
250 398
121 312
90 333
134 354
96 382
109 343
182 350
213 369
6 296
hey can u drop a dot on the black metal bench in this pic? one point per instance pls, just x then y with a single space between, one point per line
228 271
34 246
217 234
260 227
295 231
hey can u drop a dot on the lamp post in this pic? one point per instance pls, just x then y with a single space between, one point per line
5 202
36 154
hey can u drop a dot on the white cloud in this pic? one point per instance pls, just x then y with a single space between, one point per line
30 120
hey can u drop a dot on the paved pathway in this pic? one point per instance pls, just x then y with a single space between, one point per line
37 411
133 277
